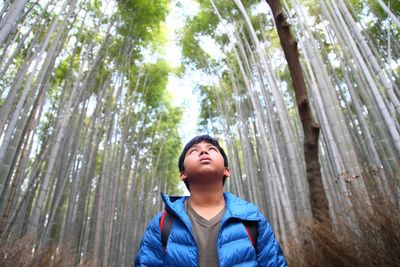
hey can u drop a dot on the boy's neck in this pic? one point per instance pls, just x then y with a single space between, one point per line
207 196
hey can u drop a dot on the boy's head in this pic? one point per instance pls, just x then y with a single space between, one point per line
195 142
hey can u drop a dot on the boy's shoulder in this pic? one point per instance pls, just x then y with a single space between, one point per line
173 202
242 208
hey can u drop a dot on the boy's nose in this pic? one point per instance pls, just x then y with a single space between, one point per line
203 151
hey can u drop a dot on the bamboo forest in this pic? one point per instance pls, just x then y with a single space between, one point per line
303 95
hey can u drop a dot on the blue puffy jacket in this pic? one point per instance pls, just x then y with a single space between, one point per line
234 245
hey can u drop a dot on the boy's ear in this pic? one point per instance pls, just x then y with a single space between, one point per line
183 176
227 172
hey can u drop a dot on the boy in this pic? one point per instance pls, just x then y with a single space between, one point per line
209 228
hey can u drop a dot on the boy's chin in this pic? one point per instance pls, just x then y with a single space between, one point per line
205 181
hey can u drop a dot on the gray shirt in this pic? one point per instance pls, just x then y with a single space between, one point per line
205 233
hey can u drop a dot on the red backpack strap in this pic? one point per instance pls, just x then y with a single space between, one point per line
165 227
252 231
163 219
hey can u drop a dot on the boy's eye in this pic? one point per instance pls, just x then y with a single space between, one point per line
192 150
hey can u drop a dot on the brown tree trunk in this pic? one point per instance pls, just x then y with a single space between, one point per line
319 201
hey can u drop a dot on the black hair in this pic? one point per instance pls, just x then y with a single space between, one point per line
198 139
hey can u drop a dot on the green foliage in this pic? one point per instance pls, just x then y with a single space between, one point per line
208 107
102 75
94 7
202 24
155 83
378 10
60 71
377 21
215 107
168 146
360 6
357 4
141 19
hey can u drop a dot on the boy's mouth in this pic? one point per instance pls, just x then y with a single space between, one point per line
205 159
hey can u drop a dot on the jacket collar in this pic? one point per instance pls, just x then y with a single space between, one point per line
235 208
175 205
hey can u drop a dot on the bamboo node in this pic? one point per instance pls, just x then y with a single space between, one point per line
282 19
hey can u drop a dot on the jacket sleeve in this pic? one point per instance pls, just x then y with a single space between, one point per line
269 252
150 252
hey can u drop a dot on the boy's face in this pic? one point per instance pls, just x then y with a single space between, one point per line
203 160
